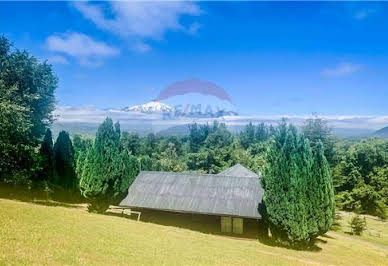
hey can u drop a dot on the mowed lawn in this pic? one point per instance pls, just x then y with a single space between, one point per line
37 234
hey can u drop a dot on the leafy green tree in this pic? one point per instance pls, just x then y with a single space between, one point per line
360 178
34 80
47 155
17 153
149 145
317 129
145 163
26 103
170 161
131 142
64 162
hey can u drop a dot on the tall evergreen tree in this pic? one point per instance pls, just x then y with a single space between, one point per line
247 136
296 184
107 171
325 191
261 133
64 161
47 153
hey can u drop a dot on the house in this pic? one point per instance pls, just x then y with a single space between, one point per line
233 195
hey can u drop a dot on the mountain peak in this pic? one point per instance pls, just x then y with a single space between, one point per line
150 107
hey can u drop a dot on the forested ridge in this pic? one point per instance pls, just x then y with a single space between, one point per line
305 166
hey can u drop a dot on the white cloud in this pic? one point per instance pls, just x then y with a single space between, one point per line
84 48
57 59
136 20
342 69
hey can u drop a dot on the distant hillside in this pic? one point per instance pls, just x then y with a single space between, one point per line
90 129
352 132
382 133
180 130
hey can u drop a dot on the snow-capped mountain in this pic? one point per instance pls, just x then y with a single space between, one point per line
150 107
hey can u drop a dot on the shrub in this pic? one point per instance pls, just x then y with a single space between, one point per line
357 225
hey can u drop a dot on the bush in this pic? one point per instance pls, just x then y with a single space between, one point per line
357 225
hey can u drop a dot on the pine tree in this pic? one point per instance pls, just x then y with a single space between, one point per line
64 161
47 153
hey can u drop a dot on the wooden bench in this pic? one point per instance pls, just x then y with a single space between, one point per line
127 211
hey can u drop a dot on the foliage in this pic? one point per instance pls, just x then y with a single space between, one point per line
321 191
131 142
64 162
108 170
47 158
357 225
298 199
81 145
26 104
361 178
316 129
247 136
254 134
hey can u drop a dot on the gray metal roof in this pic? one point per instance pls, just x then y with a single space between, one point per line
196 193
238 170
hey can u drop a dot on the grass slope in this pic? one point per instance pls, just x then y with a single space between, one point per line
37 234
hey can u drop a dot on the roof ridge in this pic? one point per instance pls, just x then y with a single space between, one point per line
198 174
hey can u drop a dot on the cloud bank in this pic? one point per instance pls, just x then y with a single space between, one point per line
89 114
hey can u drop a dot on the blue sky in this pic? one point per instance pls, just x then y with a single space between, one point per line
272 58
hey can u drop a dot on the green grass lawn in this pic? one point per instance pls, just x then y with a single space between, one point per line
32 233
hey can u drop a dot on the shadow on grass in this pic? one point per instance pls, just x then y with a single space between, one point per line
253 230
206 224
327 236
312 247
40 197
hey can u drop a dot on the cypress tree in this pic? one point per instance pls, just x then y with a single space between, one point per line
47 153
107 172
64 161
286 178
324 205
